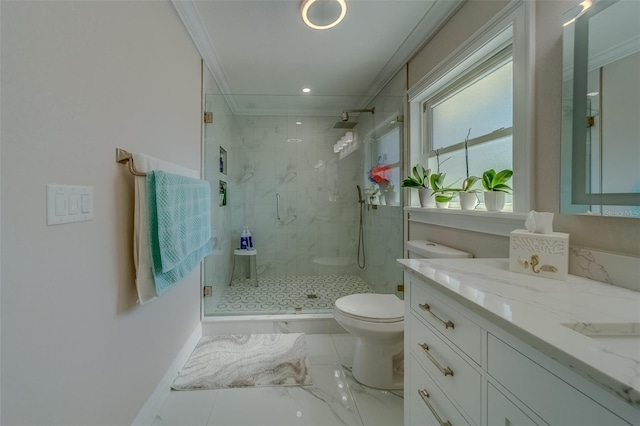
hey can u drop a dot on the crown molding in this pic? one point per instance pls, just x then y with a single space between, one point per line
431 22
192 20
439 12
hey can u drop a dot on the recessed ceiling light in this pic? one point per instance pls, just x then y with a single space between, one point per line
306 5
306 90
298 122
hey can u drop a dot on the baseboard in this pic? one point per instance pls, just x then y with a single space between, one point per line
150 409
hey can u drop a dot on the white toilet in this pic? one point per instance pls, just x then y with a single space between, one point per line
377 322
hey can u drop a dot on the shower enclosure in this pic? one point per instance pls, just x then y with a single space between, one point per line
283 176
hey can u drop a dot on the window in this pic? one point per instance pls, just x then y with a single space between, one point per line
485 86
477 108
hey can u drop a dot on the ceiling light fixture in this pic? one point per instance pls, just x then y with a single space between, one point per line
306 4
306 90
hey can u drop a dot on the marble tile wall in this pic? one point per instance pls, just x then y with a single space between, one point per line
217 267
317 190
383 243
317 233
383 227
609 268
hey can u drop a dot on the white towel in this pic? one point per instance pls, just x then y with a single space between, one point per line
141 250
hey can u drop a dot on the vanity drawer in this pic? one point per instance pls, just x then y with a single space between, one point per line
428 404
550 397
457 328
453 373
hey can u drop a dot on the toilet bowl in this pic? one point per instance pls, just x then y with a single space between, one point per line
377 323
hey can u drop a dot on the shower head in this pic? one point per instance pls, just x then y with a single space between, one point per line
345 125
344 117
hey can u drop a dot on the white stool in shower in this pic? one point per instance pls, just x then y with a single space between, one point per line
251 261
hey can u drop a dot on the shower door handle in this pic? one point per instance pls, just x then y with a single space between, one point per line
277 206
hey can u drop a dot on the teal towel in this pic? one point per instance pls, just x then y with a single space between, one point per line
179 225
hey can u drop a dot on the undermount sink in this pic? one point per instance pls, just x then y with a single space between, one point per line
622 338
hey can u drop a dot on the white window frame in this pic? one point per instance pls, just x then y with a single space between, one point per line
513 25
475 74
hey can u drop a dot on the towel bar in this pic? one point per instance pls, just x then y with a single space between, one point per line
123 156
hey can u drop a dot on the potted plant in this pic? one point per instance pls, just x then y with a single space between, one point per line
468 195
419 179
443 194
379 175
495 188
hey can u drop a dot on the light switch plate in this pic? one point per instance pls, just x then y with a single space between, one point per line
69 203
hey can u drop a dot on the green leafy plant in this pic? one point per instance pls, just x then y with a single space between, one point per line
492 181
442 192
468 184
419 178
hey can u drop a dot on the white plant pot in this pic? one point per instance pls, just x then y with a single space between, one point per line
442 204
468 200
426 197
494 201
389 198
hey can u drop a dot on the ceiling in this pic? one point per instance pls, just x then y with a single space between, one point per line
262 54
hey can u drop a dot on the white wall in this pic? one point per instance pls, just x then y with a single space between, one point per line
78 80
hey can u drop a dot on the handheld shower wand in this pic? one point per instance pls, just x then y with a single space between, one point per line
361 231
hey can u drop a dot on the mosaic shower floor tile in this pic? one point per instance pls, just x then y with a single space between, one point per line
286 295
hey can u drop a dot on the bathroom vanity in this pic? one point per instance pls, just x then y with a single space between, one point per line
485 346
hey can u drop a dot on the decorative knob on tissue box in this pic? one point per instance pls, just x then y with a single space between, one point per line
540 255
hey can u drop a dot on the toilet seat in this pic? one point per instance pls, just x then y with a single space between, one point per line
381 308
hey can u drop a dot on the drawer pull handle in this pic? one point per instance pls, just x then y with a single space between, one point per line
425 397
447 324
444 370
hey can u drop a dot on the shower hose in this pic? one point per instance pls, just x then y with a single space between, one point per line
361 263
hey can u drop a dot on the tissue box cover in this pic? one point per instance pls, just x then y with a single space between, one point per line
539 255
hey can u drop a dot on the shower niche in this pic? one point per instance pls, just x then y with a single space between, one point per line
222 193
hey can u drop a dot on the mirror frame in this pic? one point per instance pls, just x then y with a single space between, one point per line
579 194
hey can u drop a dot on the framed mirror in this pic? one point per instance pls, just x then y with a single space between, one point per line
600 164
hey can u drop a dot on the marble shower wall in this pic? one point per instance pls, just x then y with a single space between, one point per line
383 245
318 197
217 267
383 227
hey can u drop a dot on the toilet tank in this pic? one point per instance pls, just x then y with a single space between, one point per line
422 249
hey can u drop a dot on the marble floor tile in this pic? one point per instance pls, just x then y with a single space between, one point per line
377 407
327 402
345 346
184 408
334 399
321 350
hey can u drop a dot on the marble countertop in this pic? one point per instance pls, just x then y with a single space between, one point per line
538 310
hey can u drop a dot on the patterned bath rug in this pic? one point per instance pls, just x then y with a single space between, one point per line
246 360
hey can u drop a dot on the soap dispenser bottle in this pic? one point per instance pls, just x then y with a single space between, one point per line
244 239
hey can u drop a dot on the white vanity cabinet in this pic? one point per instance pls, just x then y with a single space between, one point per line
501 411
463 369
